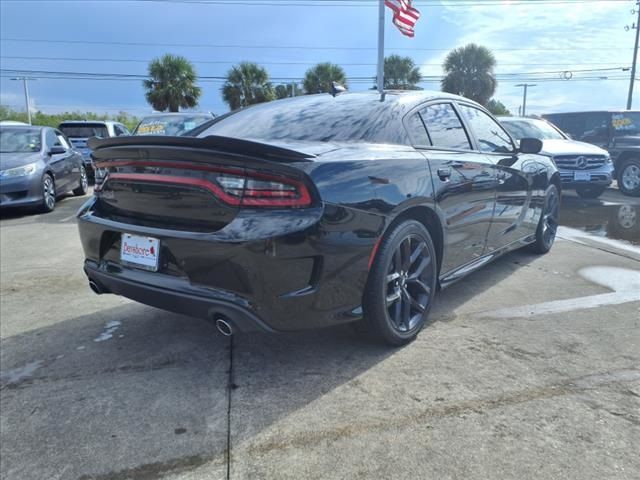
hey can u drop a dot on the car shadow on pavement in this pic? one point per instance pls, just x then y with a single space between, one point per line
136 392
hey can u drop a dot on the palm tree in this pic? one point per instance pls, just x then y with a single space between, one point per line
498 108
171 85
401 73
247 84
469 72
319 79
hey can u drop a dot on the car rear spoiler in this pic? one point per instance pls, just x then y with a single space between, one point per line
212 142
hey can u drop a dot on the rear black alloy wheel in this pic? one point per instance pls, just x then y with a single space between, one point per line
629 177
48 193
83 186
591 191
548 225
401 284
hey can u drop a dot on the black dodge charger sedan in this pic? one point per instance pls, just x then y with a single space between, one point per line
316 210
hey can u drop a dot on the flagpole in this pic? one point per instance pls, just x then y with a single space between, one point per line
380 76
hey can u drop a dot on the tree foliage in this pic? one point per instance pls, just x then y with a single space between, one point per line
469 72
498 108
319 79
401 73
172 84
54 119
247 84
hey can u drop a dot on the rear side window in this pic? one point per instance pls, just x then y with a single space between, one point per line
491 136
444 127
416 130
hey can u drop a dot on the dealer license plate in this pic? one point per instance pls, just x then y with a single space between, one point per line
141 252
582 176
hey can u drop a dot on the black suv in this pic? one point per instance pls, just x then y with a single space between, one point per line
618 132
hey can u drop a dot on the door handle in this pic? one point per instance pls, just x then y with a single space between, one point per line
444 174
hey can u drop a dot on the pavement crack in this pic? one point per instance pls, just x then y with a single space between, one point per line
230 387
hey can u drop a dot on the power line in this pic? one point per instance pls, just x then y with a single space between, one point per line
232 62
288 47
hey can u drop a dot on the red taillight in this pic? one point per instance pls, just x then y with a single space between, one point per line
264 191
234 187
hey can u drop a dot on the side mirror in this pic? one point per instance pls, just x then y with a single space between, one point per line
57 150
530 145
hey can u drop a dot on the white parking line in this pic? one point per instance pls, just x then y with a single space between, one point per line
625 284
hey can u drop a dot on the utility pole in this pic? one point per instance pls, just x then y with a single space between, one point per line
26 94
636 27
524 96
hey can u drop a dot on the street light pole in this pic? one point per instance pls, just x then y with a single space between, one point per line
524 96
26 99
26 95
635 58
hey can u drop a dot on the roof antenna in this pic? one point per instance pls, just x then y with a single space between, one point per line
336 89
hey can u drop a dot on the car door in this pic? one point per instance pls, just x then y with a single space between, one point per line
514 217
56 161
71 171
464 184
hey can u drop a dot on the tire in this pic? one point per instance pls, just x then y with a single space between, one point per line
83 186
592 191
48 193
401 284
548 223
629 177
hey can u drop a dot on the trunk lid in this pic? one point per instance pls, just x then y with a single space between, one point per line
195 184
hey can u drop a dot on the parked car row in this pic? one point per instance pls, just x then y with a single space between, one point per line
39 164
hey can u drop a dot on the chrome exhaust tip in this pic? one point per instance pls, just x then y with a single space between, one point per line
224 327
94 287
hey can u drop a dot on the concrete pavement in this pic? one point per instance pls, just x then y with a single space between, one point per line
97 387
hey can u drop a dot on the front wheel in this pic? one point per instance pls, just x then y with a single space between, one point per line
629 177
83 183
48 193
548 224
401 284
591 191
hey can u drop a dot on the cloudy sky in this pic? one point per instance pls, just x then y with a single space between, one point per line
533 40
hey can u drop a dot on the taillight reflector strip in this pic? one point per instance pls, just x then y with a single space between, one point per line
273 191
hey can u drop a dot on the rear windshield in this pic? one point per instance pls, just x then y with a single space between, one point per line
349 118
86 130
170 125
626 123
14 140
531 128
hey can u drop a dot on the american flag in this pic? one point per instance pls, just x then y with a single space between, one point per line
404 15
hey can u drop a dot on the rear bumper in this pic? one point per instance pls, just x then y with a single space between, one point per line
176 295
267 270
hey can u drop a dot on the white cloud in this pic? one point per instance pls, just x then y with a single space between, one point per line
525 38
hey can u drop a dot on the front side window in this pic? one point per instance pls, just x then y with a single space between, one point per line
52 139
444 127
531 128
62 141
491 136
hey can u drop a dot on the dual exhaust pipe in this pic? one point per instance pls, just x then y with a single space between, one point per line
223 325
